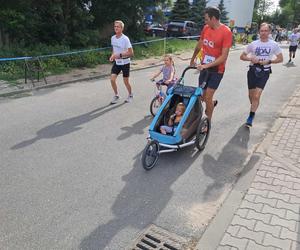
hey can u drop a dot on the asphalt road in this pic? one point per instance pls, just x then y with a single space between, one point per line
70 167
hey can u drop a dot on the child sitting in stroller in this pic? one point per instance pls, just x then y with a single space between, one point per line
174 120
168 71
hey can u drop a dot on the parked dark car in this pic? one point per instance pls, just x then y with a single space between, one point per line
183 28
155 30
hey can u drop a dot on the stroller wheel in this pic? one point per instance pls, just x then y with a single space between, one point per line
155 104
202 133
150 155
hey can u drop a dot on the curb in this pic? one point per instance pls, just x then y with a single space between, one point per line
53 85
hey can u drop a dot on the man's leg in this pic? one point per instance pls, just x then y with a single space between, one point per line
127 85
255 87
254 96
212 82
126 71
113 81
208 99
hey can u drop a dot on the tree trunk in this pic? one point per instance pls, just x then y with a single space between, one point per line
1 41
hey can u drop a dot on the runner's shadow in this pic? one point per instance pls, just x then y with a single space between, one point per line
67 126
143 198
229 164
289 65
136 128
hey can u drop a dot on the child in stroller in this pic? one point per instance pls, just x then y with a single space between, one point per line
174 120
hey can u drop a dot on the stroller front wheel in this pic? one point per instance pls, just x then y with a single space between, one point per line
150 155
202 133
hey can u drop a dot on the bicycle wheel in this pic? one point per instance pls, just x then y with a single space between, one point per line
150 155
155 105
202 133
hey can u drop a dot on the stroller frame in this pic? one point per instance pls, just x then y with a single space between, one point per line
184 136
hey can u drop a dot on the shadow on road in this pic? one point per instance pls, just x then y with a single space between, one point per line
143 198
229 164
67 126
136 128
289 65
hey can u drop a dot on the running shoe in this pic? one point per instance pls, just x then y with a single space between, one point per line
215 103
115 99
129 98
249 121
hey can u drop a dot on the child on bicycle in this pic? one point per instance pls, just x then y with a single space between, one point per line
174 120
168 71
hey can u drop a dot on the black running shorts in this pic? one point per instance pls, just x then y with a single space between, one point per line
255 81
116 69
213 79
292 48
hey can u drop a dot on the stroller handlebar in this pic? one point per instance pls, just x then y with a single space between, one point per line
194 67
186 69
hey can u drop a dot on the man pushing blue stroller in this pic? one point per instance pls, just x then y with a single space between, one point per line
173 128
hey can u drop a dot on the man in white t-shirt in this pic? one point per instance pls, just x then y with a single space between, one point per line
261 54
294 40
121 53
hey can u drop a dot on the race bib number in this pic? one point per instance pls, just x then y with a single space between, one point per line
119 61
208 59
122 61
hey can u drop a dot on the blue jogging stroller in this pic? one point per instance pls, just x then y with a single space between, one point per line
193 128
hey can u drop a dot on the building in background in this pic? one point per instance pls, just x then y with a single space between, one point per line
239 14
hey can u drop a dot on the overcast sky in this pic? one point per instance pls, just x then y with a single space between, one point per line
275 5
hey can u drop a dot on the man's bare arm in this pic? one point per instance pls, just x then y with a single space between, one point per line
196 51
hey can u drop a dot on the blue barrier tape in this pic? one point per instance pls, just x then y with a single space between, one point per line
151 41
84 51
74 52
15 58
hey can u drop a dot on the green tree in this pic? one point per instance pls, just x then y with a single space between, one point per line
55 22
224 13
71 23
261 8
198 8
130 12
181 10
157 11
291 8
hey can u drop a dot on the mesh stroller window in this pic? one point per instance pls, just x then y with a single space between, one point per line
190 126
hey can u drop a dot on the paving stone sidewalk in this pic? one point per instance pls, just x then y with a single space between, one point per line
269 215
